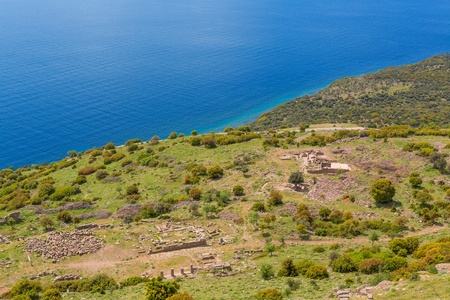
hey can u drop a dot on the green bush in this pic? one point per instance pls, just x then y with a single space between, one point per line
215 172
415 181
110 146
64 216
266 271
51 294
344 264
288 268
382 190
132 190
65 191
238 190
395 263
81 179
268 294
318 249
96 284
293 284
134 280
157 289
370 266
28 288
410 244
275 198
45 189
303 265
258 206
317 272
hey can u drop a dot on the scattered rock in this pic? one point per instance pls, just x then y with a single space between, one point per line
66 277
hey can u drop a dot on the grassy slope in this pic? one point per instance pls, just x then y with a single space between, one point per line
121 261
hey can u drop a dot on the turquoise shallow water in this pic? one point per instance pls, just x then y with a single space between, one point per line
78 74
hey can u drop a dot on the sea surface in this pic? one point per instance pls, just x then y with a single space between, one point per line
77 74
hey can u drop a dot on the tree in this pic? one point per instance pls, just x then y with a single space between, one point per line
266 271
128 219
157 289
373 237
46 222
194 132
11 222
64 216
324 213
228 129
382 190
296 178
51 294
137 219
288 268
72 153
276 198
269 248
173 135
238 190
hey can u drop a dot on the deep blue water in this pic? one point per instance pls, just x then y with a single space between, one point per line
77 74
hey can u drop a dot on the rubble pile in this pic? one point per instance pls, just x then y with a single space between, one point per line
43 274
228 216
66 277
4 240
60 244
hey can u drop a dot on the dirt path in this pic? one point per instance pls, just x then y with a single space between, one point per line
427 230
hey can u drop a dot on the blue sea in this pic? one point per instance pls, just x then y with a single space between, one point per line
77 74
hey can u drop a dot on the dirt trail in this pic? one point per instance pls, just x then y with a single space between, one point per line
364 239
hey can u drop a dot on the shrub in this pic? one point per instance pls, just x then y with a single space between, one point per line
110 146
382 190
195 193
370 266
293 284
266 271
90 170
395 263
410 244
98 283
336 216
45 189
132 190
215 172
96 153
173 135
195 141
318 249
238 190
157 289
182 296
28 288
320 232
51 294
335 246
344 264
65 191
46 222
415 181
134 280
303 265
64 216
288 268
324 213
276 198
81 179
258 206
101 174
316 272
269 294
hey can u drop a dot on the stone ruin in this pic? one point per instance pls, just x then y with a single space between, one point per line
4 240
66 277
58 245
155 243
183 272
42 274
5 263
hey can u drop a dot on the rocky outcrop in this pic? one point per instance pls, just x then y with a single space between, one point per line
128 210
443 268
68 206
59 244
4 240
14 215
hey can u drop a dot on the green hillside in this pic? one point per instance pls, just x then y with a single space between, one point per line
416 94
